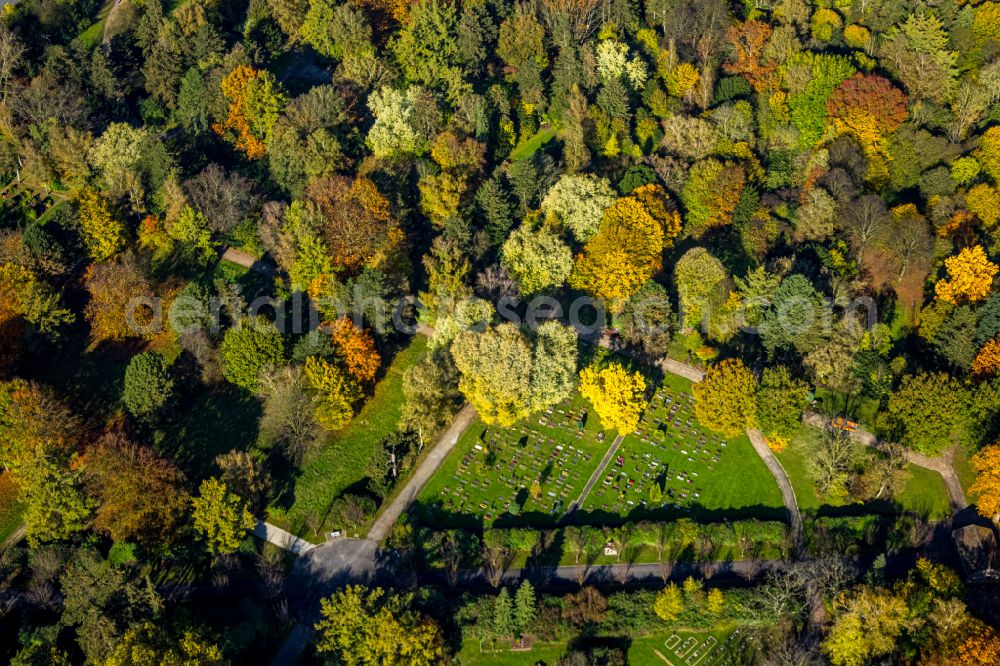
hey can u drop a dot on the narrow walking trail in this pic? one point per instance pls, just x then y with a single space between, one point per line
781 477
612 450
383 524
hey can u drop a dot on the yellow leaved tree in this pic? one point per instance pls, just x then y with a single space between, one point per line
624 254
618 395
970 277
987 485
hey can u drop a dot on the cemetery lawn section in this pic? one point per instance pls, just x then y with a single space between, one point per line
721 646
701 474
487 479
341 461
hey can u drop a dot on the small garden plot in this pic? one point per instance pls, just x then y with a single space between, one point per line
527 474
672 466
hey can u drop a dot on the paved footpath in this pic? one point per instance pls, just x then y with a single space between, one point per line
280 538
781 477
383 524
612 450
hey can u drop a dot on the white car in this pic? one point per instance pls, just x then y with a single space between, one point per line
336 534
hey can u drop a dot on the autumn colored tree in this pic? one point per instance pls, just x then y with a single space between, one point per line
748 40
33 423
375 626
987 361
255 102
726 400
25 297
507 376
121 301
356 349
970 277
866 626
140 495
988 153
579 201
220 518
987 485
55 505
338 391
103 232
869 108
700 278
618 395
624 254
537 258
355 222
151 643
711 194
981 648
781 400
668 603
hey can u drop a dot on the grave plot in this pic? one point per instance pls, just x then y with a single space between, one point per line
671 466
527 474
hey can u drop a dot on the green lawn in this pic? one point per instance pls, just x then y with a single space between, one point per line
487 478
93 35
541 653
340 463
964 470
10 508
702 474
528 147
795 460
925 494
670 644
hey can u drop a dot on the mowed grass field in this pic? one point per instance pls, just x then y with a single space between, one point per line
642 650
341 462
480 486
487 479
924 492
702 474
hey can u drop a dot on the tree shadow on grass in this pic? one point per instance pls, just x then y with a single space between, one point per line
210 421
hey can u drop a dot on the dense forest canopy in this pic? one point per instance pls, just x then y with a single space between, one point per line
799 199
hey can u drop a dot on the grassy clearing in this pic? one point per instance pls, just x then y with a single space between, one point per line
93 35
701 473
925 494
540 653
10 508
487 478
527 148
339 465
795 460
964 470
